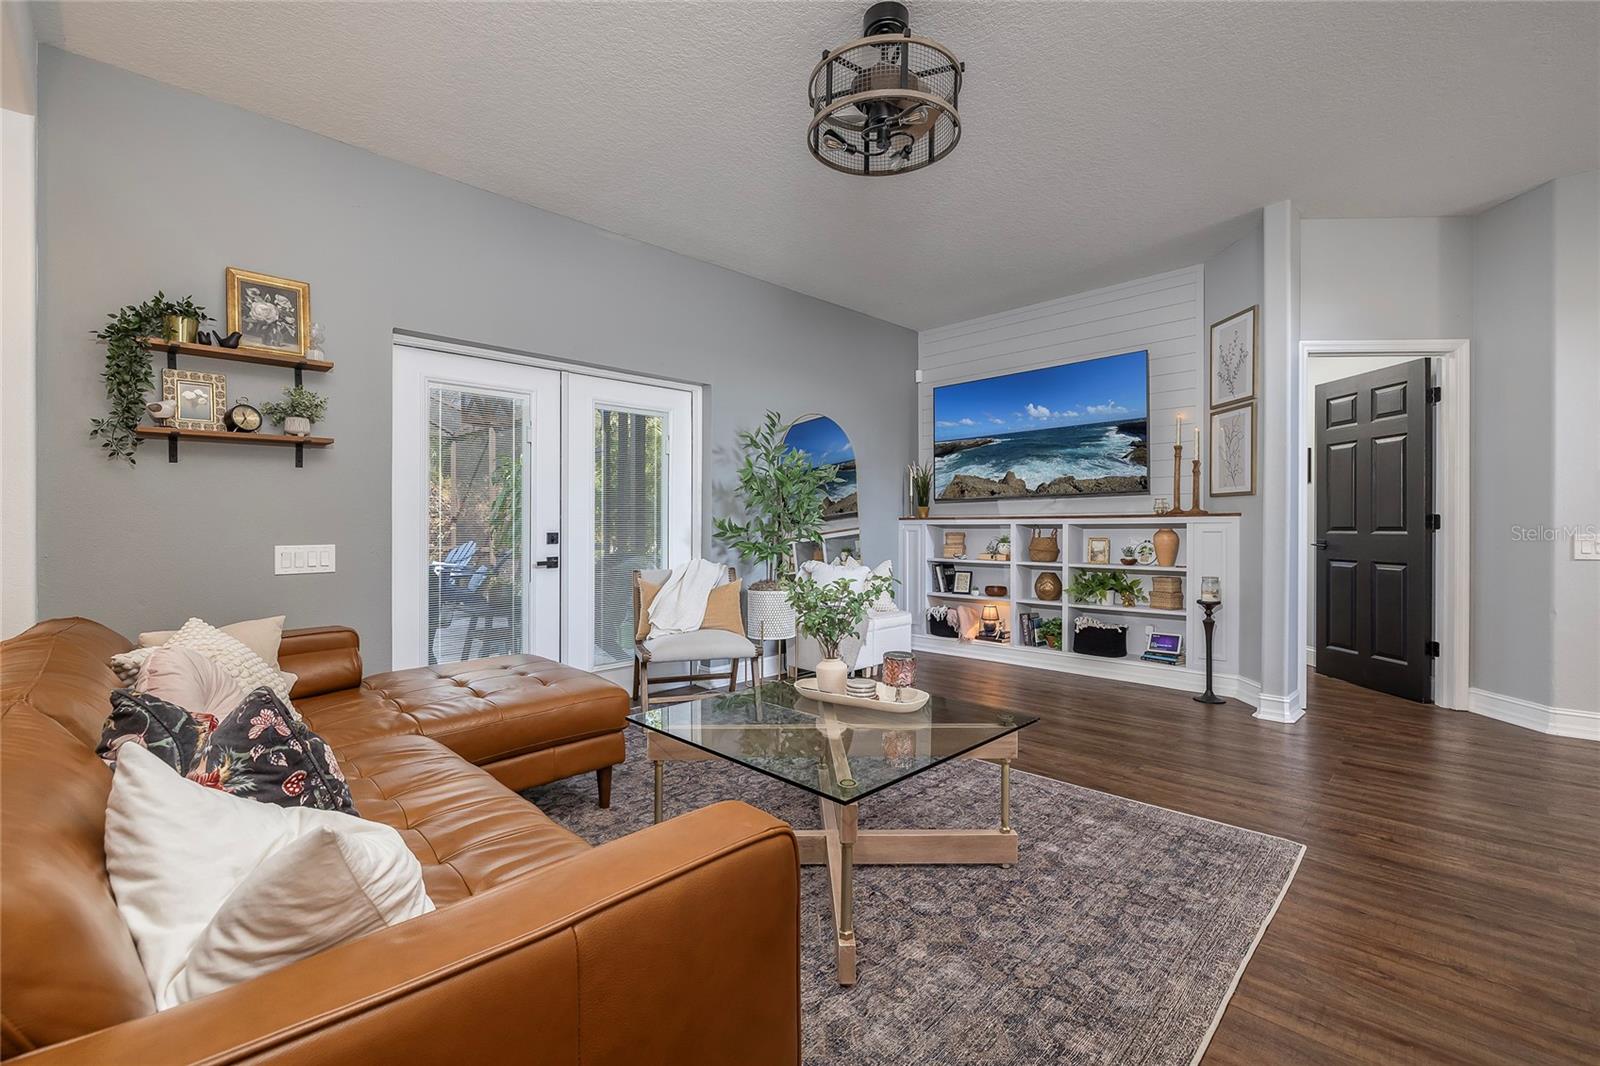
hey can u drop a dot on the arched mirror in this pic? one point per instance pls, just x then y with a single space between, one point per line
823 443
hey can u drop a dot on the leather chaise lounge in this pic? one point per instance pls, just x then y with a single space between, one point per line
675 944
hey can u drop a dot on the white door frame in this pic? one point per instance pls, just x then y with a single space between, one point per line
1452 556
696 426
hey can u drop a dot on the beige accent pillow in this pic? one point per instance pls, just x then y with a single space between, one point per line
187 679
260 635
240 663
722 609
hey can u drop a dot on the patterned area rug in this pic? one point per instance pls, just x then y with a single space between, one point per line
1117 938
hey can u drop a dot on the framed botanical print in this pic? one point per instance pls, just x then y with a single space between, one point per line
199 398
272 315
1233 451
1099 549
1234 342
963 582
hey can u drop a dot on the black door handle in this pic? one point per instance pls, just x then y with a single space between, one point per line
1320 545
550 562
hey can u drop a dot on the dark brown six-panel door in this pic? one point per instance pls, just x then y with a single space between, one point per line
1374 557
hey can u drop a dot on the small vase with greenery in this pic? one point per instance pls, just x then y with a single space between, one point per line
1129 588
1089 586
782 495
920 475
1049 631
300 407
127 374
830 614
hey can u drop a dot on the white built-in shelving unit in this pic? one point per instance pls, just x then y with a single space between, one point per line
1208 545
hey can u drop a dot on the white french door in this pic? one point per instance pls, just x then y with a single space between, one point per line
524 498
630 477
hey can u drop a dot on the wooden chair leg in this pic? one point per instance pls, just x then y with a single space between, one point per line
733 674
636 679
602 778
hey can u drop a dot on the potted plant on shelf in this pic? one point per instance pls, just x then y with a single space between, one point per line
300 407
921 477
1049 631
1130 555
1090 587
829 614
782 495
1126 587
127 373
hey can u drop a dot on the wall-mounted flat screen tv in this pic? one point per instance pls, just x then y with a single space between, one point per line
1078 429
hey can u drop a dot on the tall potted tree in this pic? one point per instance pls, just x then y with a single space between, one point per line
782 495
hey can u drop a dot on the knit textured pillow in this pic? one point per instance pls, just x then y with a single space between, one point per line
243 665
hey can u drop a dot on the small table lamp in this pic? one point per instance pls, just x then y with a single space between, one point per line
991 619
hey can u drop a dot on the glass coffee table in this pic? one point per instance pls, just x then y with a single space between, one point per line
843 755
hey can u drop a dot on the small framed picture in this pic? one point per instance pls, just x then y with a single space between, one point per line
199 398
1099 551
1233 358
272 314
1233 451
963 582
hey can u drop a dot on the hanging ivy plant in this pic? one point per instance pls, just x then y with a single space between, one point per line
127 374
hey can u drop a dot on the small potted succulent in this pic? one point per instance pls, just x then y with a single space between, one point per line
299 408
1130 555
831 613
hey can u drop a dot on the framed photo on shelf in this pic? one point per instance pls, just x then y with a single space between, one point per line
272 314
962 583
1233 451
1233 357
199 398
1099 551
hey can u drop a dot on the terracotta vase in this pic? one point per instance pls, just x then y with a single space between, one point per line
1166 541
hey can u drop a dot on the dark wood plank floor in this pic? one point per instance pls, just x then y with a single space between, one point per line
1448 906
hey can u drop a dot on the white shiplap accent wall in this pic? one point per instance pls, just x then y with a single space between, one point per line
1162 314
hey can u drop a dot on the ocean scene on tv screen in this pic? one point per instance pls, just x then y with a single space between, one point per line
1080 429
823 443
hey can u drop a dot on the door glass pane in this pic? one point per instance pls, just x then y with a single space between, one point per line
630 493
476 559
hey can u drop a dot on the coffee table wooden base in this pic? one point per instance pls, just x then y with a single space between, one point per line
842 846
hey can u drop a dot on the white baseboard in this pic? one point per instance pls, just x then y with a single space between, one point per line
1286 709
1556 721
1182 678
1311 657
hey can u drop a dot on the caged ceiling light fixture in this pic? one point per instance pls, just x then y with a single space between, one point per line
885 104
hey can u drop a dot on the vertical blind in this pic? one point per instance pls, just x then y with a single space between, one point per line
630 494
475 523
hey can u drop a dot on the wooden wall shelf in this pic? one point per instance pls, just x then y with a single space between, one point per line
222 436
237 355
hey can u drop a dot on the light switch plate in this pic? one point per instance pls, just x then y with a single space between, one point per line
303 559
1586 546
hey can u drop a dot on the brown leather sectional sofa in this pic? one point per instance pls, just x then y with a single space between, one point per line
676 944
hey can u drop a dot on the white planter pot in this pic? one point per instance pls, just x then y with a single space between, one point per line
831 674
296 426
768 615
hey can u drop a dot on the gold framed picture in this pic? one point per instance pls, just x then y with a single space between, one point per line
199 398
271 314
1099 551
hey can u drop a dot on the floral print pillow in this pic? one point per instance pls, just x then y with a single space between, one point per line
264 751
165 729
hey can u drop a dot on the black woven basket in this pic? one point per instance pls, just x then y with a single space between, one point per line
1108 643
941 628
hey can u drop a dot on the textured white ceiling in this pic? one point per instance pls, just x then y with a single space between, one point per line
1101 140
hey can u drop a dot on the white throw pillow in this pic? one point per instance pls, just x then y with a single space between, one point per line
242 664
217 889
885 604
827 573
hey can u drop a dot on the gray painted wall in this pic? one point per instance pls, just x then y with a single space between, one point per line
1385 278
1233 283
145 187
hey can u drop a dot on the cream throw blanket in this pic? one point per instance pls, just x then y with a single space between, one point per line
680 606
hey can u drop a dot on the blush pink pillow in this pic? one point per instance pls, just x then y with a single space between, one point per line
189 680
